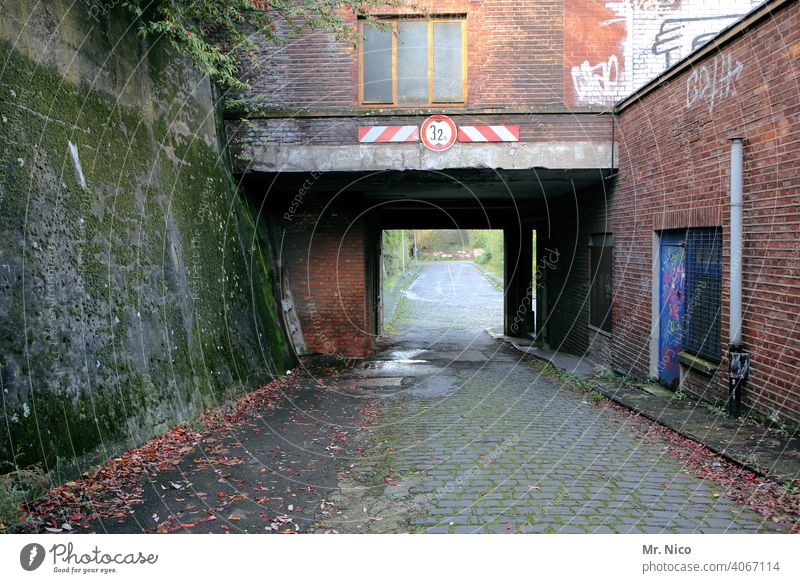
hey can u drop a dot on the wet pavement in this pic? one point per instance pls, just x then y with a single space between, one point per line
443 430
268 470
474 437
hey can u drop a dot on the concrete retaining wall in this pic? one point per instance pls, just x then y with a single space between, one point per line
136 288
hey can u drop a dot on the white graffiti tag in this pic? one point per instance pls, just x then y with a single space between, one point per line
595 83
714 82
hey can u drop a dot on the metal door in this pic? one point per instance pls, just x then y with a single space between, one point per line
673 270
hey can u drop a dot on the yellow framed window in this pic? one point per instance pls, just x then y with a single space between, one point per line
413 62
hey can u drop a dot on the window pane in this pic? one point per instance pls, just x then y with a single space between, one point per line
703 293
377 65
447 61
412 62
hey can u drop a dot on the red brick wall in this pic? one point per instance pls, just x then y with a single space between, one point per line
572 222
520 52
325 251
612 48
594 53
515 55
674 156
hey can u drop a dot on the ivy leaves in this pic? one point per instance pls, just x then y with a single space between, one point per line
220 35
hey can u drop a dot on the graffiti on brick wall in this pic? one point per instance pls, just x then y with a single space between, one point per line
712 83
611 47
593 57
596 81
654 8
678 37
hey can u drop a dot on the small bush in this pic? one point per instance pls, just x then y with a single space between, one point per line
10 500
15 488
484 258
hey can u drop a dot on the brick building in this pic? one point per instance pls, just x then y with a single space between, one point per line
331 151
745 84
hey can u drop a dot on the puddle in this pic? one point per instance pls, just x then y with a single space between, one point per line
394 368
380 382
457 355
434 387
404 354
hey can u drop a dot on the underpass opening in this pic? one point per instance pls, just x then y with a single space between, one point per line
454 279
328 231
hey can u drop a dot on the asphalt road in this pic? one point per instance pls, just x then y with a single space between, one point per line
448 295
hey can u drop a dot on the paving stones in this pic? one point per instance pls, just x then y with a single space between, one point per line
509 450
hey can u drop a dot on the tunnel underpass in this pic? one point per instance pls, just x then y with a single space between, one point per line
327 231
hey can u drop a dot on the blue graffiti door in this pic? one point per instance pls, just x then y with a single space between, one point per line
672 268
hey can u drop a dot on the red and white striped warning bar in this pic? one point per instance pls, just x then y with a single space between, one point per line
488 133
383 134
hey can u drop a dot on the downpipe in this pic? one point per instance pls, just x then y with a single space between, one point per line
738 357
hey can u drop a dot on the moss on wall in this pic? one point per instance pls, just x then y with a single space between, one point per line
140 296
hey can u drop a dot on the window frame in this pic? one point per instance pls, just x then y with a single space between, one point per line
703 350
392 23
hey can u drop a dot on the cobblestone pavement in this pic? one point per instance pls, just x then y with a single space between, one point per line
473 438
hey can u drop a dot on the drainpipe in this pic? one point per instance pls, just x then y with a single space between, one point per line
738 357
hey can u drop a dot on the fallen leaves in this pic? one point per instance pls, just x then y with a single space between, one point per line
369 413
204 462
283 522
110 490
193 451
777 503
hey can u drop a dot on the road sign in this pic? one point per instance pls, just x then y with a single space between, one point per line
438 133
387 134
498 133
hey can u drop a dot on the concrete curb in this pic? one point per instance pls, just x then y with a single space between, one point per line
492 278
402 285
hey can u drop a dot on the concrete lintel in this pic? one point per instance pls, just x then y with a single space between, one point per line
378 157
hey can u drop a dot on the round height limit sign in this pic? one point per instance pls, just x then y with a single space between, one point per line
438 133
